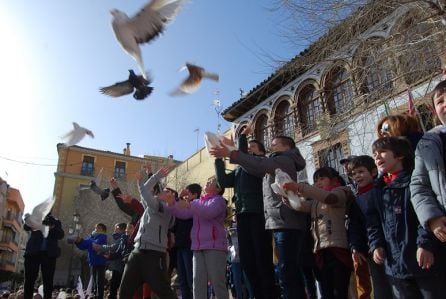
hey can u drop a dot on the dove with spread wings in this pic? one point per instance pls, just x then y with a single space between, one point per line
133 83
147 24
38 214
94 186
193 81
76 135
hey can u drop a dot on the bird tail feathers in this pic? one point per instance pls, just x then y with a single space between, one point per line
211 76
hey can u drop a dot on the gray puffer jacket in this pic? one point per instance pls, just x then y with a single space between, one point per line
428 182
277 215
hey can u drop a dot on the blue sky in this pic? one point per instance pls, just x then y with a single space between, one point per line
56 54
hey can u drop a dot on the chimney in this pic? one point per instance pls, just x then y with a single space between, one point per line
127 149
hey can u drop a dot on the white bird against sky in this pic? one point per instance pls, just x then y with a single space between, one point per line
193 81
144 26
34 220
76 135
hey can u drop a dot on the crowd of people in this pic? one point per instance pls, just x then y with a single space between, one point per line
382 224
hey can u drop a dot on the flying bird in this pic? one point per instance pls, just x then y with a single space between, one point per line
133 83
193 82
104 193
38 214
76 135
147 24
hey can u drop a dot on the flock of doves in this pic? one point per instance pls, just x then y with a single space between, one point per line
142 28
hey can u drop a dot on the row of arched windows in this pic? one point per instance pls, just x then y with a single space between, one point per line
377 65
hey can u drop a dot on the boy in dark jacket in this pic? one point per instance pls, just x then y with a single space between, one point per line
42 252
255 247
410 254
363 170
97 261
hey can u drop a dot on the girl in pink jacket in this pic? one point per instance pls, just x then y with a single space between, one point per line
208 236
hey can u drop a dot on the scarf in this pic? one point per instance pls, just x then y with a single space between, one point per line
362 190
390 177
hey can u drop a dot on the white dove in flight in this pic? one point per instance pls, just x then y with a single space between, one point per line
34 220
193 82
76 135
144 26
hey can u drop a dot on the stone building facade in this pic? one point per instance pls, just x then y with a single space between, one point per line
330 96
79 209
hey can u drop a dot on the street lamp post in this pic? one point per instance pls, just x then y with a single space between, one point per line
73 231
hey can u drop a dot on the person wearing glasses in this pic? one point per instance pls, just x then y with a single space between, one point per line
400 125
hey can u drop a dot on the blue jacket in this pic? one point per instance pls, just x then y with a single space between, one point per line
94 259
357 229
36 239
393 225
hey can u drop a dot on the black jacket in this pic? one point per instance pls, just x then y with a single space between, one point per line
35 241
248 196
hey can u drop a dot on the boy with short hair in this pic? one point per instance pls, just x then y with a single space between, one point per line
96 261
363 171
410 254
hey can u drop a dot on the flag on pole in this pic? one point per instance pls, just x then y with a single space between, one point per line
413 110
386 108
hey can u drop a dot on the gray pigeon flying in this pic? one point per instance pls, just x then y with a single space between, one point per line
144 26
76 135
133 83
193 82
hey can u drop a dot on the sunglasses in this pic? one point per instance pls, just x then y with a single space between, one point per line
385 128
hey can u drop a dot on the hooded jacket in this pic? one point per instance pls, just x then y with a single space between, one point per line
277 214
208 231
428 182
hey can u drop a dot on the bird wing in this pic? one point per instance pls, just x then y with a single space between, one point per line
98 179
151 19
118 89
34 220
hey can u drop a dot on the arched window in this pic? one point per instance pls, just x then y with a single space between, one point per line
310 108
284 119
339 90
263 131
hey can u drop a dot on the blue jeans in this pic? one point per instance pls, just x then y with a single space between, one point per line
238 279
184 268
288 244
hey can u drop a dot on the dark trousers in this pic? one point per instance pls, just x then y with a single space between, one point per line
146 266
289 244
334 276
256 252
184 268
431 287
380 281
98 273
114 284
32 265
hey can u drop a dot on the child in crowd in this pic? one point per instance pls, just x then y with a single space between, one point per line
410 254
327 202
364 171
428 184
209 243
147 262
97 261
